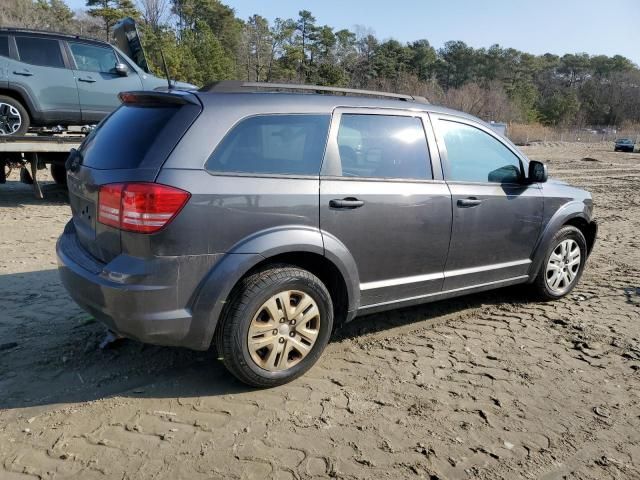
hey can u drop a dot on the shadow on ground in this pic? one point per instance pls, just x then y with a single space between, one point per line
13 193
49 348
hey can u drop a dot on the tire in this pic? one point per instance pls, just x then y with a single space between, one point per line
247 307
13 112
59 173
543 284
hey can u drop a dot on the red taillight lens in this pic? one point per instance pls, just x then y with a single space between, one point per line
139 207
109 200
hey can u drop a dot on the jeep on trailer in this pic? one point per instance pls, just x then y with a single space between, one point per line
258 221
51 79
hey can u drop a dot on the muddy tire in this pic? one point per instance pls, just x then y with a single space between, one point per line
14 118
275 327
563 264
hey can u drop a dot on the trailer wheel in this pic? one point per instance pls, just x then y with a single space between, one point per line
14 119
59 173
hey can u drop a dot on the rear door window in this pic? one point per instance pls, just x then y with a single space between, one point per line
123 139
4 46
40 51
273 144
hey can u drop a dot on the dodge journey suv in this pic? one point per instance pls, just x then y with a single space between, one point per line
258 221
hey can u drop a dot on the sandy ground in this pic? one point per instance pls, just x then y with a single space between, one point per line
487 386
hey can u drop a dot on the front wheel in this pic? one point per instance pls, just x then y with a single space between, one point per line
276 326
563 264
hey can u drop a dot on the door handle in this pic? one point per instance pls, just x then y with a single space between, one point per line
346 203
24 73
469 202
86 79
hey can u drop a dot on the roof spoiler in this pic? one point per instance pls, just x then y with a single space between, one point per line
158 99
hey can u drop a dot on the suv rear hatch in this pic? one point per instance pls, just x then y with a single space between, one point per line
130 145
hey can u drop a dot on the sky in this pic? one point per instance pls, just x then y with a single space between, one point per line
596 27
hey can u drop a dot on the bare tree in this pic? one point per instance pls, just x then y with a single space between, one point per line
154 12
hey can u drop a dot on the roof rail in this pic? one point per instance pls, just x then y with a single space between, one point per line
235 86
34 31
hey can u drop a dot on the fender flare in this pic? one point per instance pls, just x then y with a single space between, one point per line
569 211
210 297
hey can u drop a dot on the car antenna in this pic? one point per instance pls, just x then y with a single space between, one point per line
166 69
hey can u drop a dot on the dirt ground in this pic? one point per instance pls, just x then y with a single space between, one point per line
487 386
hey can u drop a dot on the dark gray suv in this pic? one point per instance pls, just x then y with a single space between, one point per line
259 221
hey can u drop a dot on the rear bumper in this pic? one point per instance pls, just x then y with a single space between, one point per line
143 299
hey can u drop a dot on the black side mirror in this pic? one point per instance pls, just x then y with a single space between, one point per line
122 69
537 172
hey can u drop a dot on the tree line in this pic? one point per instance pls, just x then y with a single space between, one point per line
204 41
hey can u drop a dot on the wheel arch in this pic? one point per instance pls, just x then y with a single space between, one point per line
304 247
22 98
573 213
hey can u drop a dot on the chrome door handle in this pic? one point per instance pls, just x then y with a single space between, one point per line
469 202
346 203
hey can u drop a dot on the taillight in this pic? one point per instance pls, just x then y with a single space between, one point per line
139 207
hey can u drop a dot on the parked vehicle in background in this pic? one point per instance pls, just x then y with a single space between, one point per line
624 145
260 221
51 79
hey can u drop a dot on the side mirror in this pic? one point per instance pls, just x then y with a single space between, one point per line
122 69
537 172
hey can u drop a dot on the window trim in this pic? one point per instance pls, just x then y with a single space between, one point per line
220 173
332 165
436 117
65 60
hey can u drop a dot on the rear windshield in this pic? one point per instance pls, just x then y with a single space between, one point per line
123 139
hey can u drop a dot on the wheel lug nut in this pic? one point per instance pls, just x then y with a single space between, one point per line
281 340
282 320
292 334
275 332
293 322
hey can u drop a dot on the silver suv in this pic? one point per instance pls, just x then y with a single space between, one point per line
260 221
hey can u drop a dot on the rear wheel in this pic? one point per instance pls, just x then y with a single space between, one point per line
276 326
563 264
14 119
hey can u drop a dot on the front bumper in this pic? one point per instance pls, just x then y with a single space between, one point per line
143 299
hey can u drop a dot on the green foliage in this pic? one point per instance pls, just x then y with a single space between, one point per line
110 11
204 41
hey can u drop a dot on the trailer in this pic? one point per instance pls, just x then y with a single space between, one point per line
31 153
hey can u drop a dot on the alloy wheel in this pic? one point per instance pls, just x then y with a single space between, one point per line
563 266
10 119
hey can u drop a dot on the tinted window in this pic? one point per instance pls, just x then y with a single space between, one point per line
4 46
279 144
123 139
383 146
90 58
40 51
475 156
